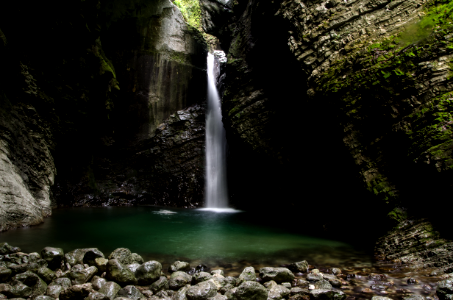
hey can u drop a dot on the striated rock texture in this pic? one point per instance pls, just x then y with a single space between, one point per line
416 244
26 167
352 96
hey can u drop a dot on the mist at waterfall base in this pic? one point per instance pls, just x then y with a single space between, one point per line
216 193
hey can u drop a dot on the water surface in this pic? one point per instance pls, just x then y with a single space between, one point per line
229 240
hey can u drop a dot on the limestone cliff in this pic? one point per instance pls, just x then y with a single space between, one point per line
91 89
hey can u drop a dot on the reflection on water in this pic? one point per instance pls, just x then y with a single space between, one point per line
166 234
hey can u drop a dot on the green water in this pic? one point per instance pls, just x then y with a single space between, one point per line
168 234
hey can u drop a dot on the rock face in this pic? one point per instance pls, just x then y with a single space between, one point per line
112 92
415 243
371 69
27 168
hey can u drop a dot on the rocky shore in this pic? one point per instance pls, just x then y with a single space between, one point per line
88 274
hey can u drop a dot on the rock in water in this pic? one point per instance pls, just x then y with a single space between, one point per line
301 266
277 274
444 288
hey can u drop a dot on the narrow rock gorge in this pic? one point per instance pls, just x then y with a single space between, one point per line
338 109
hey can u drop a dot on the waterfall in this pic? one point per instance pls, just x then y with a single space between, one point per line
216 193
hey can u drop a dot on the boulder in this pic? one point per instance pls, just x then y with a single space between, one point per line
277 274
110 289
323 285
250 290
179 266
119 273
179 279
101 264
202 291
130 292
218 281
19 290
314 276
381 298
133 267
46 274
278 292
217 272
98 282
200 277
43 297
320 294
5 274
5 248
159 285
301 266
148 272
181 293
94 295
248 274
76 292
55 288
138 259
123 255
444 288
53 256
83 256
34 257
37 285
80 275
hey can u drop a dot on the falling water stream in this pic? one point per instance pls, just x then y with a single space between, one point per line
216 188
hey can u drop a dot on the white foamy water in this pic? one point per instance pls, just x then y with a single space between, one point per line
164 212
216 193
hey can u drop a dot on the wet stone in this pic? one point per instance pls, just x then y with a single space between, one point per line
119 273
43 297
322 294
179 279
110 289
202 291
80 275
98 282
5 274
160 284
277 274
123 255
323 284
179 266
314 276
248 274
301 266
94 295
251 290
148 272
200 277
53 256
130 292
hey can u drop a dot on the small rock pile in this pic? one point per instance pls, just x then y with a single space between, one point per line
87 274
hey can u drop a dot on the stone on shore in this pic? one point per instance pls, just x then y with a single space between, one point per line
248 274
83 256
324 294
123 255
301 266
200 277
119 273
159 285
98 282
279 275
444 289
250 290
130 292
94 295
179 266
179 279
53 256
202 291
110 289
80 275
148 272
76 292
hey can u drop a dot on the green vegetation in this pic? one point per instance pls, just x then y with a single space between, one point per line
374 87
191 11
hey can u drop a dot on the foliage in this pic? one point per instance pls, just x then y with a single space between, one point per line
373 82
191 11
